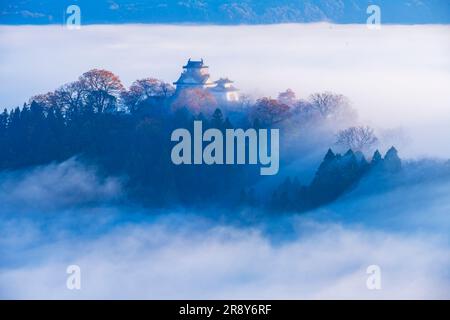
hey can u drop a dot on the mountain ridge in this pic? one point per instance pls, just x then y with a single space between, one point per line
226 12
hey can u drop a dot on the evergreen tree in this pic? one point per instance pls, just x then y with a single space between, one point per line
376 159
392 162
217 119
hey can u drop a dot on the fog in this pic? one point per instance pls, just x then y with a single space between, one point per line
61 214
56 186
130 252
397 77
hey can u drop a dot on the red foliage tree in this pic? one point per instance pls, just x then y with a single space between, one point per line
196 100
270 111
144 89
101 89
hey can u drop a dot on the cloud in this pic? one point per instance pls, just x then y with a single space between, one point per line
151 261
62 214
55 186
131 252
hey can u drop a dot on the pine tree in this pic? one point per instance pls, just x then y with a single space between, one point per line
3 121
217 119
392 162
376 159
227 124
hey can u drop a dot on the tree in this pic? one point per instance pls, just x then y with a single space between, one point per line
227 124
376 159
195 100
328 105
166 90
217 119
357 138
287 97
70 96
144 89
4 120
392 161
270 111
245 101
101 89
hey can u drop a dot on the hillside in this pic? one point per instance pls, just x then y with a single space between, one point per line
224 11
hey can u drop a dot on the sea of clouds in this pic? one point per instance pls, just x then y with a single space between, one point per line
62 214
130 252
397 77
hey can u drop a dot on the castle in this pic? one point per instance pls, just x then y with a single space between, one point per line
195 75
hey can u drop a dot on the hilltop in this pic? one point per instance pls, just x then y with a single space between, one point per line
227 12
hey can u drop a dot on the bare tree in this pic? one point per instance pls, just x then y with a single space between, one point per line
71 96
46 100
166 89
245 100
328 104
357 138
68 97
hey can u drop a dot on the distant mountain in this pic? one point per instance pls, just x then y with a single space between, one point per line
337 175
224 11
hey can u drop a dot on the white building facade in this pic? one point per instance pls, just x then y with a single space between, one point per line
196 76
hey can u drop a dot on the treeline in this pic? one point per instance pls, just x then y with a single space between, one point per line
137 148
336 175
126 132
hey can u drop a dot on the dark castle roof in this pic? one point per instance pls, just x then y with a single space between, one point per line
220 85
223 81
194 64
198 78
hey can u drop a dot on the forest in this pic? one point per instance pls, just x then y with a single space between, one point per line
126 133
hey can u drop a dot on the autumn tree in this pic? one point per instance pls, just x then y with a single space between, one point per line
270 111
95 89
101 89
145 89
195 100
46 100
69 98
287 97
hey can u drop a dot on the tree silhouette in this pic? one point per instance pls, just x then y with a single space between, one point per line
357 138
143 90
101 89
330 105
287 97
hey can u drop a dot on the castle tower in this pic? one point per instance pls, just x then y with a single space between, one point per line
225 91
194 76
